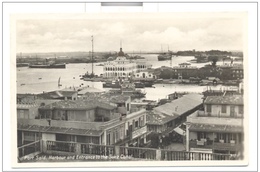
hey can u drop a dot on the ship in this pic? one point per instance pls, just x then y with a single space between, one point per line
164 56
48 66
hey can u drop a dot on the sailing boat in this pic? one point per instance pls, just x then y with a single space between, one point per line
59 84
87 76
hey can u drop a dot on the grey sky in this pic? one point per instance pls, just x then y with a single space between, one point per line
181 31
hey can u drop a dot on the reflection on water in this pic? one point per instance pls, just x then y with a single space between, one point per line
31 80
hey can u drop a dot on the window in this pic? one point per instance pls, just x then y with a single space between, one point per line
224 109
21 114
136 123
208 108
240 109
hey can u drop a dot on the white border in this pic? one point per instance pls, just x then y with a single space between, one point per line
80 7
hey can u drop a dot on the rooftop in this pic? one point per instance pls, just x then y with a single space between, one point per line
78 105
158 119
106 97
181 105
62 130
215 128
89 90
56 94
226 100
34 103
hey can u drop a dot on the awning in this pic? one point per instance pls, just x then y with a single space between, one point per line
179 131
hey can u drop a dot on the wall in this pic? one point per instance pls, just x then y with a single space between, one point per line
81 115
216 111
49 136
215 120
145 74
68 124
193 135
23 113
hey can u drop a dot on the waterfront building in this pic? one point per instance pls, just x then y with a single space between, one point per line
122 67
184 71
147 74
218 128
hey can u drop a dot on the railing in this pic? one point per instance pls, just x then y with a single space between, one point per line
28 149
61 146
180 156
143 153
208 114
131 152
97 149
68 124
216 145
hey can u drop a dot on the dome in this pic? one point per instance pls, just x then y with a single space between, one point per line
110 59
121 53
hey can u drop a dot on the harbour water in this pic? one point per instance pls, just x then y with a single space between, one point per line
33 80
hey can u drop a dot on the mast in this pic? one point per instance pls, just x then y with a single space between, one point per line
92 55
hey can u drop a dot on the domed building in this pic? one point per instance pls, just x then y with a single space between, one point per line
120 68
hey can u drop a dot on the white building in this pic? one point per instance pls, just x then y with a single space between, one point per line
122 67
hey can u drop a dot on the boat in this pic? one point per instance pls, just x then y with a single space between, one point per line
90 76
22 64
139 85
164 56
48 66
112 84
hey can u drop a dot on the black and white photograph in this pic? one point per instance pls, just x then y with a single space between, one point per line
133 88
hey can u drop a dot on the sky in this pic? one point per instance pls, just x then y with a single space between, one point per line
137 32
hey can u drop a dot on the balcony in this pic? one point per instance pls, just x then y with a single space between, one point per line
138 132
232 146
208 114
200 117
68 124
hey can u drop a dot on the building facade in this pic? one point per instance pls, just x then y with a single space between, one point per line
84 121
219 127
122 67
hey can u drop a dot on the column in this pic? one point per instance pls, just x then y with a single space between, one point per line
78 148
158 154
187 137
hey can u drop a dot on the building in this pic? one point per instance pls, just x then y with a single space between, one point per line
85 121
184 71
28 109
237 72
147 74
218 128
122 67
165 118
59 94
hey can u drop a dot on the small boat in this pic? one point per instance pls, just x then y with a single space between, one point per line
139 85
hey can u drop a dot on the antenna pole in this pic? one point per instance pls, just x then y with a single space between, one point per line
92 54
